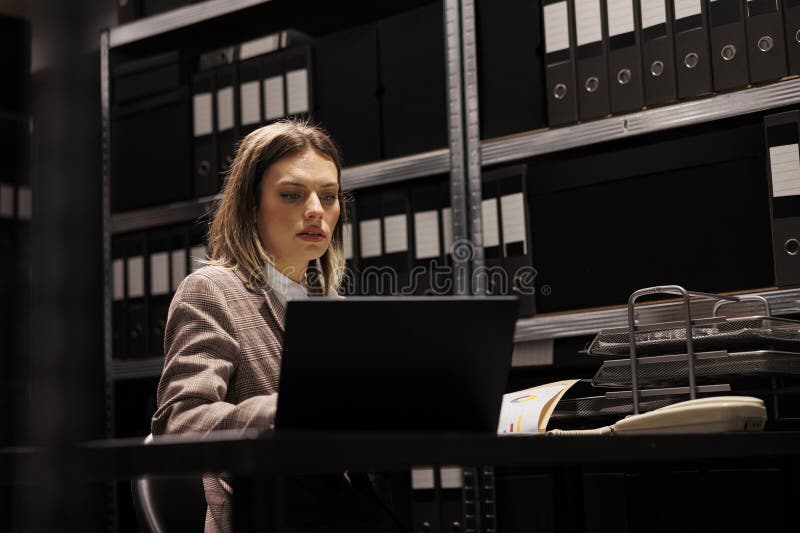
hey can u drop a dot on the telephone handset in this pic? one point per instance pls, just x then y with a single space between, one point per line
704 415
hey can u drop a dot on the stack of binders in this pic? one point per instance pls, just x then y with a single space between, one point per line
150 111
347 85
506 237
412 63
510 67
240 88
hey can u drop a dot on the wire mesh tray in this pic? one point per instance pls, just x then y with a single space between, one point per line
749 333
667 370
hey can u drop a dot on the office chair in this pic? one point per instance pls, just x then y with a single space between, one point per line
166 505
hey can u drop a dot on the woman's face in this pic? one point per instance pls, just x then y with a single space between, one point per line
298 209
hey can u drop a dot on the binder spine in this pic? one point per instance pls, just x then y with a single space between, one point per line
691 48
624 56
658 52
766 46
728 43
592 63
791 17
562 99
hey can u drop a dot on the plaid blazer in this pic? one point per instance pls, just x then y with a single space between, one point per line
223 345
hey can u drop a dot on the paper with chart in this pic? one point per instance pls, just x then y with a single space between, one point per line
529 410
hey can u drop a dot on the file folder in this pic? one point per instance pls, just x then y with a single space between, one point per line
426 207
658 52
766 46
226 117
728 44
206 175
783 169
412 62
592 63
691 49
396 249
492 243
198 249
160 294
273 87
624 57
346 88
119 308
178 259
444 281
250 91
298 68
136 296
511 81
370 241
562 98
791 17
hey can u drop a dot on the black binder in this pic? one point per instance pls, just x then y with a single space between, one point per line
443 282
198 249
250 93
412 62
346 92
766 47
592 62
159 244
783 169
510 67
791 17
427 243
119 308
226 123
206 175
178 258
397 253
274 87
728 43
349 286
658 52
624 57
492 240
562 97
370 240
135 251
691 48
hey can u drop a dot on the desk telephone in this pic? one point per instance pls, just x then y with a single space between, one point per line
704 415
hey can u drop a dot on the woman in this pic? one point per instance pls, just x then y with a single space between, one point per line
275 235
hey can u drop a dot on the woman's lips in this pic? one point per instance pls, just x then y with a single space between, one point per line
312 235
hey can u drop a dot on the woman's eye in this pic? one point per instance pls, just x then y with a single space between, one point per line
329 197
290 196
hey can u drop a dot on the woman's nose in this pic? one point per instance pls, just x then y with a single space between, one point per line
314 207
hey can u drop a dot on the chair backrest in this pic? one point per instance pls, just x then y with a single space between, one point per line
169 504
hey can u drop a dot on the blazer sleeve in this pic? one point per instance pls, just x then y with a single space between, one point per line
201 353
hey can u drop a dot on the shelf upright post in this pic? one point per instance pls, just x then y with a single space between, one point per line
105 110
464 140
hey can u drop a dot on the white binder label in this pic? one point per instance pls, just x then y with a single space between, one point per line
260 46
513 208
178 267
422 478
556 27
370 232
395 233
251 103
273 97
297 88
654 12
452 477
24 203
159 273
491 231
784 161
118 279
202 109
426 234
620 17
347 240
447 229
198 254
136 277
225 109
588 27
687 8
6 201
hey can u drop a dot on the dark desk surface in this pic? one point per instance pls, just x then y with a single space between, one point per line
309 452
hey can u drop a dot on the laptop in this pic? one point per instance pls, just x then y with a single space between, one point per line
395 363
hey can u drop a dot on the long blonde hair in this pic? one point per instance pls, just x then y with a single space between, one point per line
233 239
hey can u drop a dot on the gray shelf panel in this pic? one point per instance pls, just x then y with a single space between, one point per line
783 302
382 172
151 217
137 368
176 19
717 107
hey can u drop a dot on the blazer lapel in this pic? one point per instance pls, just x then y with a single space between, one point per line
276 308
